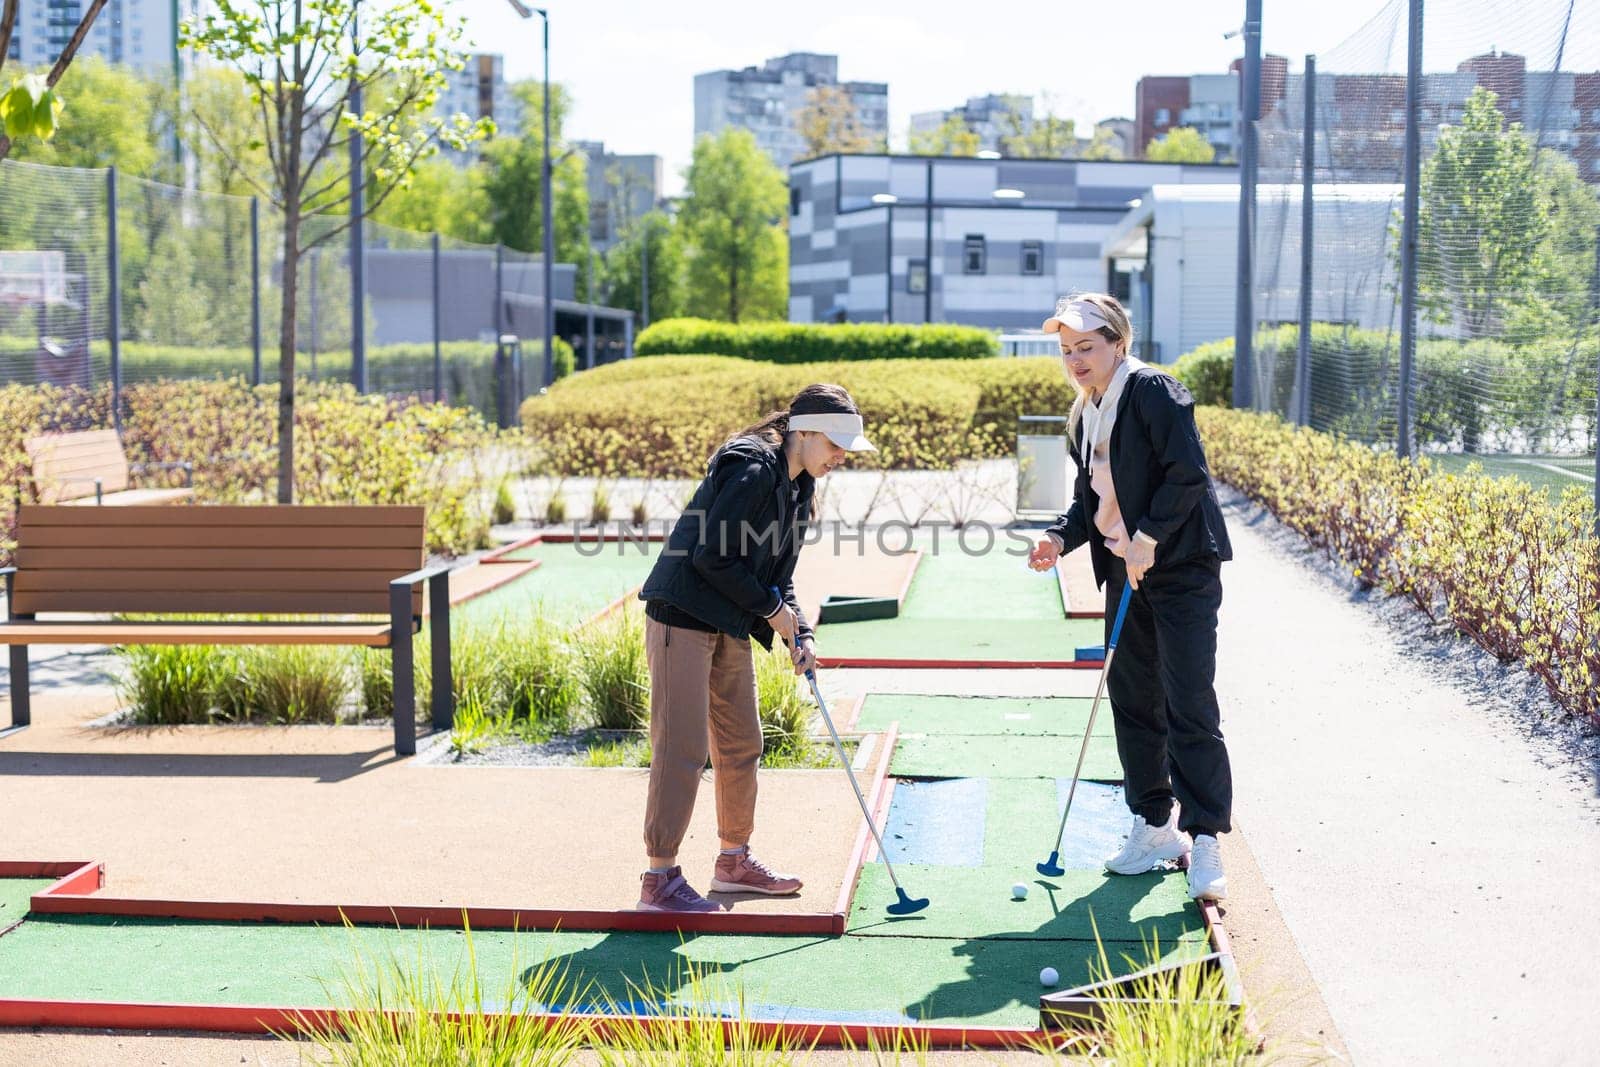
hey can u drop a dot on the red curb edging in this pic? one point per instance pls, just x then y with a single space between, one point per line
877 803
274 1019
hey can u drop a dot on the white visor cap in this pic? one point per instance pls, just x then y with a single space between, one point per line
842 428
1080 315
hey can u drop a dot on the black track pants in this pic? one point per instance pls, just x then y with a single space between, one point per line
1163 703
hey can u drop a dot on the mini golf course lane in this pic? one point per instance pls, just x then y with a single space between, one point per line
1009 716
975 903
573 582
977 608
15 894
990 982
998 756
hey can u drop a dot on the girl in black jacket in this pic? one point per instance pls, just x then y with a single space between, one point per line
710 591
1144 504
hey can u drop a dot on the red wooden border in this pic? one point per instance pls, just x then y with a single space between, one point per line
261 1019
911 574
877 803
1066 597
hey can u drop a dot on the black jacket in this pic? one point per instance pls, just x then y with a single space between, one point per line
1160 473
738 538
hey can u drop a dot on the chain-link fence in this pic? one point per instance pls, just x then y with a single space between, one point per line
198 280
1508 118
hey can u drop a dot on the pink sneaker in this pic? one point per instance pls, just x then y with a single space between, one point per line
743 873
669 892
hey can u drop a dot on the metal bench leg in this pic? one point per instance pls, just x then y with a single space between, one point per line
444 704
21 713
405 684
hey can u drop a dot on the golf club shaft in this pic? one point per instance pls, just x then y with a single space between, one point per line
838 746
1083 750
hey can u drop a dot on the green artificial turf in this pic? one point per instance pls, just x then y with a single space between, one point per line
974 903
572 582
935 979
14 895
1003 756
1010 716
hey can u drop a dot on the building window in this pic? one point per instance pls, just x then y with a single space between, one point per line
917 276
1033 257
794 201
974 257
1163 116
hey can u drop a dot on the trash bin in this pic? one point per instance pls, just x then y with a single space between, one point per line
1042 466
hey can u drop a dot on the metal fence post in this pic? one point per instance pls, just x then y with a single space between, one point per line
1594 304
1302 370
927 250
255 290
1408 228
114 297
1244 294
438 358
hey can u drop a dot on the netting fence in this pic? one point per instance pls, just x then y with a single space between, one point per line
1508 222
198 279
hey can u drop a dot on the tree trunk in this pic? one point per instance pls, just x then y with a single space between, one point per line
286 346
733 285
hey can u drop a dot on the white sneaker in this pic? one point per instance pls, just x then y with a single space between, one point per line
1149 845
1206 880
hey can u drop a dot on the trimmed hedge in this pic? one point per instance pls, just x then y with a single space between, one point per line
1497 558
663 417
349 449
1482 395
782 342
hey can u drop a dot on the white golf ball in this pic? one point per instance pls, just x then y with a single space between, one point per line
1019 891
1048 976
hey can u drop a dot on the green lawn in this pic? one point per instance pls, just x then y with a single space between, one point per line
1542 472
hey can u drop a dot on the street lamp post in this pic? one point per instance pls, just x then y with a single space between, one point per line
546 189
888 201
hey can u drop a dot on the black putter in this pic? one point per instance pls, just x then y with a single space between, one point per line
1052 866
904 904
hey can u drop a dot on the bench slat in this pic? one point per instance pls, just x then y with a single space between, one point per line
388 562
374 635
245 602
193 581
40 515
133 498
239 536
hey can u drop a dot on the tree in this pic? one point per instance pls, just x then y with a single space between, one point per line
1103 146
952 138
737 255
30 107
1043 137
829 124
1182 145
441 197
305 61
221 131
117 115
513 186
1483 220
625 262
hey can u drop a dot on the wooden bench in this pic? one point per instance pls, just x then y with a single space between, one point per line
90 467
231 561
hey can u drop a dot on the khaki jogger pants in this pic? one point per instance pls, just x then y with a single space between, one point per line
702 701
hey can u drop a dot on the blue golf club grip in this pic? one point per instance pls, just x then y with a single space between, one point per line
811 676
1122 613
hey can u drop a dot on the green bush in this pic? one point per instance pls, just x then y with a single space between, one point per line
781 342
1495 557
169 684
663 417
1472 396
350 449
286 684
785 716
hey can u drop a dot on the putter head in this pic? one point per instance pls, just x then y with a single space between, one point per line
1051 867
906 905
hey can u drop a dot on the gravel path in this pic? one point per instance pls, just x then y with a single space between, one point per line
1426 819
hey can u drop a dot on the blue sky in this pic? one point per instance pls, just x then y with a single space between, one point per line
631 63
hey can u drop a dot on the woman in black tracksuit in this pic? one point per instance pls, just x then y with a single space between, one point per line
726 574
1144 504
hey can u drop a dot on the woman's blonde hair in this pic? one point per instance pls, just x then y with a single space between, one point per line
1118 329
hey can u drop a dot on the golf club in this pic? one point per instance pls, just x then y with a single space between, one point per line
904 903
1052 866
